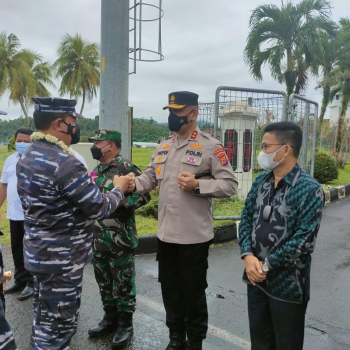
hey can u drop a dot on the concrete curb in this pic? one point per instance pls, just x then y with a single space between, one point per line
148 244
334 194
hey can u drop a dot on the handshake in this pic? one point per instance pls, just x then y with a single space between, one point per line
125 183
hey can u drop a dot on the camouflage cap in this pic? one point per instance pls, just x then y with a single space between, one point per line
103 134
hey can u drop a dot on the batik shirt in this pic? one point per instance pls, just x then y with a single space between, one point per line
118 232
288 237
60 203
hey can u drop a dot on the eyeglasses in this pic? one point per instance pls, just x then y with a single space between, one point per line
264 146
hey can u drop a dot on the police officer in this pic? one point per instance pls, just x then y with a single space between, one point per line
6 336
60 203
190 169
115 241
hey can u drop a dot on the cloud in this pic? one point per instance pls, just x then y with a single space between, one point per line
202 41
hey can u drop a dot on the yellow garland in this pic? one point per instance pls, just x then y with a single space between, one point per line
40 136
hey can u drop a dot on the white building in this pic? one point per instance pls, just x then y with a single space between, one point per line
334 109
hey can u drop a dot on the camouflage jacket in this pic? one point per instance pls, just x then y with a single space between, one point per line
118 232
60 203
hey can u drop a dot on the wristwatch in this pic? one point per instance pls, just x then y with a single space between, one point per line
265 267
196 190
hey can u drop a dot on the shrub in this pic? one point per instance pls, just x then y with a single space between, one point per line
11 145
325 168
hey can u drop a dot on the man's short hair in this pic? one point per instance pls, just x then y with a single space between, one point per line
43 120
24 131
287 133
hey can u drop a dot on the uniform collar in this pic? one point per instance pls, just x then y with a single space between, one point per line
114 162
291 178
192 137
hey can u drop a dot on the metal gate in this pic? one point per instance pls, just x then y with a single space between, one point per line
238 119
304 112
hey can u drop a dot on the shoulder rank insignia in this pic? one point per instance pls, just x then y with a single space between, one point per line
196 146
194 135
165 146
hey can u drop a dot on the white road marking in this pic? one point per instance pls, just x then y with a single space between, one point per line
215 331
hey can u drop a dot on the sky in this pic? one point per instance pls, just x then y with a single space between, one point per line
202 44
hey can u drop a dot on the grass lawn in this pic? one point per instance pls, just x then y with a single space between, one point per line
343 178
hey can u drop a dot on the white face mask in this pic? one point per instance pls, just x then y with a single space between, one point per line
265 160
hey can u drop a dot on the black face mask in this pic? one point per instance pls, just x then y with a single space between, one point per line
73 131
175 123
97 152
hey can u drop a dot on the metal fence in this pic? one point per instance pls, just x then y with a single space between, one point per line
305 113
238 119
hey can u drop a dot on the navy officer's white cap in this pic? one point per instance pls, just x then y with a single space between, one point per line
56 105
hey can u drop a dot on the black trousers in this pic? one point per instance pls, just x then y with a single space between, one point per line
183 279
21 276
274 324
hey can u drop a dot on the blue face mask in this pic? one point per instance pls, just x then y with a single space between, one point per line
21 147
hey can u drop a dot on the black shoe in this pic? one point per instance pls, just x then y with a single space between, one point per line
15 287
26 293
124 332
176 345
107 325
177 341
194 344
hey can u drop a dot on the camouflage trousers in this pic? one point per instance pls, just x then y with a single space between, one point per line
56 309
7 342
115 274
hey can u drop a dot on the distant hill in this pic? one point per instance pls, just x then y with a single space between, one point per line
146 130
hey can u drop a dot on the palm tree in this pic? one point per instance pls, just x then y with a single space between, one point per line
78 66
331 49
284 38
22 72
340 82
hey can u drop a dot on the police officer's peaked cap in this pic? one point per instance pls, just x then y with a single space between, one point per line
3 113
181 99
56 105
103 134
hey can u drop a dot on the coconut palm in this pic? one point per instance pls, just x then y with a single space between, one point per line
284 39
22 72
78 66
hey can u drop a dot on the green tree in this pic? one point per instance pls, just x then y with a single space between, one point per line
331 51
78 66
340 82
22 72
285 39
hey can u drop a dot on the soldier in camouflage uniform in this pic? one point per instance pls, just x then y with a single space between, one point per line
115 240
60 203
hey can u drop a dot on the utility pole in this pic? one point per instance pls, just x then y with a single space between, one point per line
114 85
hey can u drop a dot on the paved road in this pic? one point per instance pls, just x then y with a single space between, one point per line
328 315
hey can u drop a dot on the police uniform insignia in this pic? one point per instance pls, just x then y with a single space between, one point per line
219 150
172 99
165 146
159 159
223 159
194 135
196 145
159 170
191 160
